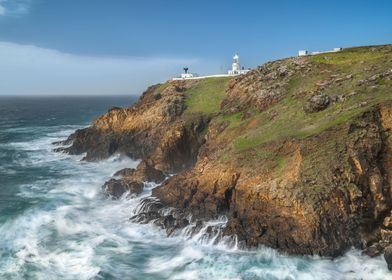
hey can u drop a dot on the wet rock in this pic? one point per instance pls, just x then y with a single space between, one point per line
373 251
317 103
143 172
388 256
117 187
132 180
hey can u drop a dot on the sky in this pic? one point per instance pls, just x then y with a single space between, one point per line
102 47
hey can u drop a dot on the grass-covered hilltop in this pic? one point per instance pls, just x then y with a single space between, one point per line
296 153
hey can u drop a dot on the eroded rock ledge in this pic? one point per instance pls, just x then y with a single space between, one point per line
296 154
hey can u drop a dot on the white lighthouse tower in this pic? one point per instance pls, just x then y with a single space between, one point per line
236 67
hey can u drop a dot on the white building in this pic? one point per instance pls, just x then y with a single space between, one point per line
236 67
302 52
305 52
187 75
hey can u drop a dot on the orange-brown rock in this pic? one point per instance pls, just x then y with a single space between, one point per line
303 181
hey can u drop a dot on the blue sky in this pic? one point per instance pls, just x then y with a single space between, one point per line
67 47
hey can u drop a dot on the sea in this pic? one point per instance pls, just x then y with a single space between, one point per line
57 223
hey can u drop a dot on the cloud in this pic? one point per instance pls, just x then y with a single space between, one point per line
31 70
14 7
2 10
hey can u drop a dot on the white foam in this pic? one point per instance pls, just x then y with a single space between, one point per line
75 232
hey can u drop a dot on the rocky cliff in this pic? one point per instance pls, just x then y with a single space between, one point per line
297 154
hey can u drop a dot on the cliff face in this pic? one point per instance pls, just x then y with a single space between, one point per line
297 153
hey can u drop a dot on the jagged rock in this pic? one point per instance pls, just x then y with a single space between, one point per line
117 187
133 180
388 256
386 235
317 103
337 98
388 222
144 173
320 186
373 251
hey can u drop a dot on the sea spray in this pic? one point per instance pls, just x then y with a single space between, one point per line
57 223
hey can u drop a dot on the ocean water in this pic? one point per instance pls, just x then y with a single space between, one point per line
55 222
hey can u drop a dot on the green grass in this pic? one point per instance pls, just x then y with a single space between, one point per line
234 119
249 138
347 56
206 96
162 87
280 164
292 121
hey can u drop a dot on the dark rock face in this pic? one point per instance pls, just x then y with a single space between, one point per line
388 256
116 188
302 193
297 217
317 103
144 172
152 129
132 180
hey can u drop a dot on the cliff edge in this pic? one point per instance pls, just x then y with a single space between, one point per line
297 153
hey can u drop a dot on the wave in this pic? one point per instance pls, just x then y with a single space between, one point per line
73 231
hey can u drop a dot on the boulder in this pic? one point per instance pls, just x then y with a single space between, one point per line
117 187
143 172
132 180
317 103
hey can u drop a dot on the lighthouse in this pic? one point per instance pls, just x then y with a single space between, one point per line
236 67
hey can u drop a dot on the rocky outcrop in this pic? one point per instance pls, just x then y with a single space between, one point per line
318 103
302 211
151 130
132 180
117 187
297 156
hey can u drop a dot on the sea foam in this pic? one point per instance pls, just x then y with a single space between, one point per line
73 231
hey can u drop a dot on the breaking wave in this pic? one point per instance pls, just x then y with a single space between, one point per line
62 226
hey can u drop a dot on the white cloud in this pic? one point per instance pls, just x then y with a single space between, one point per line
14 7
2 10
31 70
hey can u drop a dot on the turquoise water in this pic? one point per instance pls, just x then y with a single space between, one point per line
55 222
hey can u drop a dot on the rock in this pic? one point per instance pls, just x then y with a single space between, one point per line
133 180
157 95
317 103
318 184
388 256
117 187
373 251
388 222
386 235
337 98
349 77
143 172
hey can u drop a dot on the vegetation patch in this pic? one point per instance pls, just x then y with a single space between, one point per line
206 96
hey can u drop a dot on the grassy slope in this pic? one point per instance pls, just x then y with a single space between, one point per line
206 96
248 138
290 119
